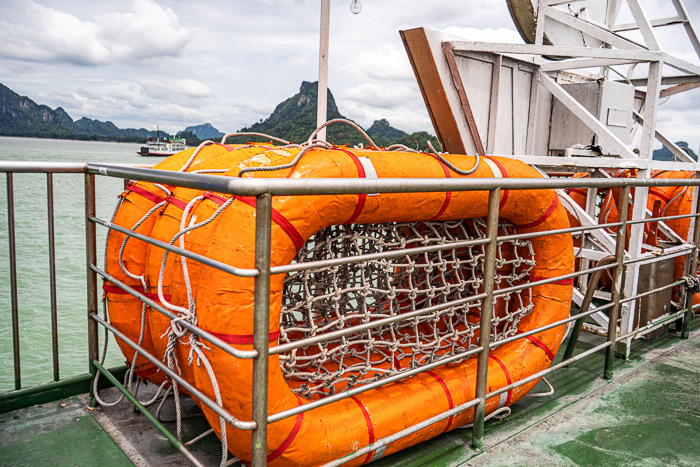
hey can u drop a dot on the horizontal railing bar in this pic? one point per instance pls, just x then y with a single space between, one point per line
678 314
42 167
332 186
375 256
227 268
652 292
204 182
679 250
529 285
149 416
230 419
373 324
53 167
243 354
556 324
649 220
360 389
402 434
547 370
544 233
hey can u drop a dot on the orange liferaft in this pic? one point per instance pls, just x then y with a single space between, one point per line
224 303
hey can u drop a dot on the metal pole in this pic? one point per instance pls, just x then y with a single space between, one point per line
322 106
13 279
485 323
690 297
52 275
587 300
261 326
150 417
91 259
618 275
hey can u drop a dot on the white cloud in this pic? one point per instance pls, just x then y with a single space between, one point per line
37 33
175 90
386 62
500 35
382 95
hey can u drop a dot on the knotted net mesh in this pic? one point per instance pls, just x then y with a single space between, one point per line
326 299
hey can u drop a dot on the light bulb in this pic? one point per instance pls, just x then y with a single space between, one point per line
355 6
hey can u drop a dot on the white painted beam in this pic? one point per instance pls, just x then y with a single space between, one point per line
586 117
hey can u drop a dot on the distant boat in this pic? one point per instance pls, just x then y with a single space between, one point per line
164 148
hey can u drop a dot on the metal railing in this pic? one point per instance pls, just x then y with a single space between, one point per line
264 190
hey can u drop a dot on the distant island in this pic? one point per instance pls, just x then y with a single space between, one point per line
293 120
21 116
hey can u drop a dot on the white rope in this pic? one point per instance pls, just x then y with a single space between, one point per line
347 122
498 414
549 392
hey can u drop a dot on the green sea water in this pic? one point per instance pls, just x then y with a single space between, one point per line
31 230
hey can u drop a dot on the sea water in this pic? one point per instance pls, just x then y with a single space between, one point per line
32 247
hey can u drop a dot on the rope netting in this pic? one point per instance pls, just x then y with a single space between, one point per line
326 299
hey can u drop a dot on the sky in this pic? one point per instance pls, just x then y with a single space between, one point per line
176 63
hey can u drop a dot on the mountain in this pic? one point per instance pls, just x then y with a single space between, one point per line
295 120
664 154
381 129
21 116
203 132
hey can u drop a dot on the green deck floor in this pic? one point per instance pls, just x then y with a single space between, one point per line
648 415
56 435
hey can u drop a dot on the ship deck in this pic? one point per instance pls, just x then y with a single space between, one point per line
649 414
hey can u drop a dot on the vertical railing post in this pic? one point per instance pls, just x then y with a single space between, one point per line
261 326
690 297
485 322
13 279
618 276
91 259
52 275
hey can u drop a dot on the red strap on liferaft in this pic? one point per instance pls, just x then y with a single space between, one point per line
448 194
504 174
449 397
546 215
178 203
539 344
362 197
116 290
149 371
277 217
290 439
658 194
370 427
581 192
508 380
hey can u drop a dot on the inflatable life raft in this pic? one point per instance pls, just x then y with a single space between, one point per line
224 303
662 201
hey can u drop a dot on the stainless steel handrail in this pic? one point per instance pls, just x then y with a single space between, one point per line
265 189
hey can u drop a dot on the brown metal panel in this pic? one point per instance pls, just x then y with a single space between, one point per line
432 89
466 108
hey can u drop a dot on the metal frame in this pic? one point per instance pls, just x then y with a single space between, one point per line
265 189
445 72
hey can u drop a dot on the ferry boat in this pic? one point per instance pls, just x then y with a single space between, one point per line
309 304
166 147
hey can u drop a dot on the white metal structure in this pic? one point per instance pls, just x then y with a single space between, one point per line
535 101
